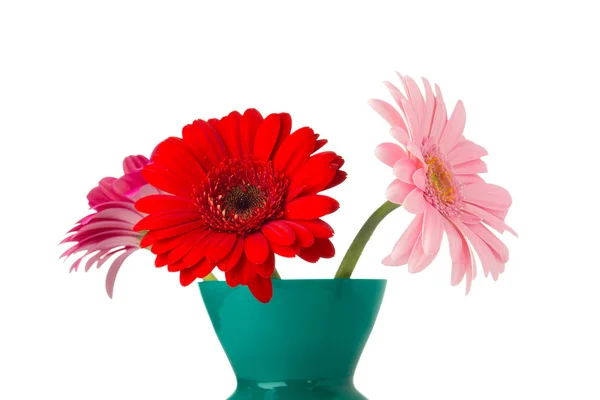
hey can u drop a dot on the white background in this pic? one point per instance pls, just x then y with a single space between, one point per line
83 85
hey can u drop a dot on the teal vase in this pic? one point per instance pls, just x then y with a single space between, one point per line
304 344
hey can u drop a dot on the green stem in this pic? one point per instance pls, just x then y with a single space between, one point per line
362 237
275 274
210 277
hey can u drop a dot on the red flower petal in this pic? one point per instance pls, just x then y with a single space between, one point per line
180 251
320 143
249 271
285 127
256 248
319 228
163 202
177 230
266 137
229 128
147 240
183 164
205 142
294 152
164 245
235 275
189 251
249 124
261 288
285 251
166 181
278 232
167 219
187 276
322 248
219 246
161 260
339 178
199 270
316 174
242 273
196 254
310 207
232 259
266 269
304 237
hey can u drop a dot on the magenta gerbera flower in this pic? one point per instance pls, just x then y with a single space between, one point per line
437 179
108 231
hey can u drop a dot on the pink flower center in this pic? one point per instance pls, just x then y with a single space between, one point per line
442 191
239 196
440 180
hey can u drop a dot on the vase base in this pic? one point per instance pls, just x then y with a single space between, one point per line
296 390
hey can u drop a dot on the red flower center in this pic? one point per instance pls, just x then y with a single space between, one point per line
239 196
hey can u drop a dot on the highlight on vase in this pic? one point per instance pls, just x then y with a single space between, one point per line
437 179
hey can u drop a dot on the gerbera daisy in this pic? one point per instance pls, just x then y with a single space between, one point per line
108 231
241 189
437 178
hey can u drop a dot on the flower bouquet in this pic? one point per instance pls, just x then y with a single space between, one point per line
233 195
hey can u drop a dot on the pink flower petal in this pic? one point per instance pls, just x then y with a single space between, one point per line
470 167
429 107
454 128
418 260
388 262
113 270
469 179
146 190
414 127
122 205
397 191
433 231
466 151
455 243
119 214
400 134
415 150
104 225
404 246
403 84
490 260
388 112
492 220
395 92
132 164
439 115
416 99
492 241
92 260
414 202
404 170
389 153
469 218
487 195
419 178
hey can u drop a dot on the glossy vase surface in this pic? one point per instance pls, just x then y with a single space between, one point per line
304 344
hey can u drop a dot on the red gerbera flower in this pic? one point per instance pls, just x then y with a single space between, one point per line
242 189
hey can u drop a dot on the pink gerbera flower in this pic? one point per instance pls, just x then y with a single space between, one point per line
108 231
437 179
